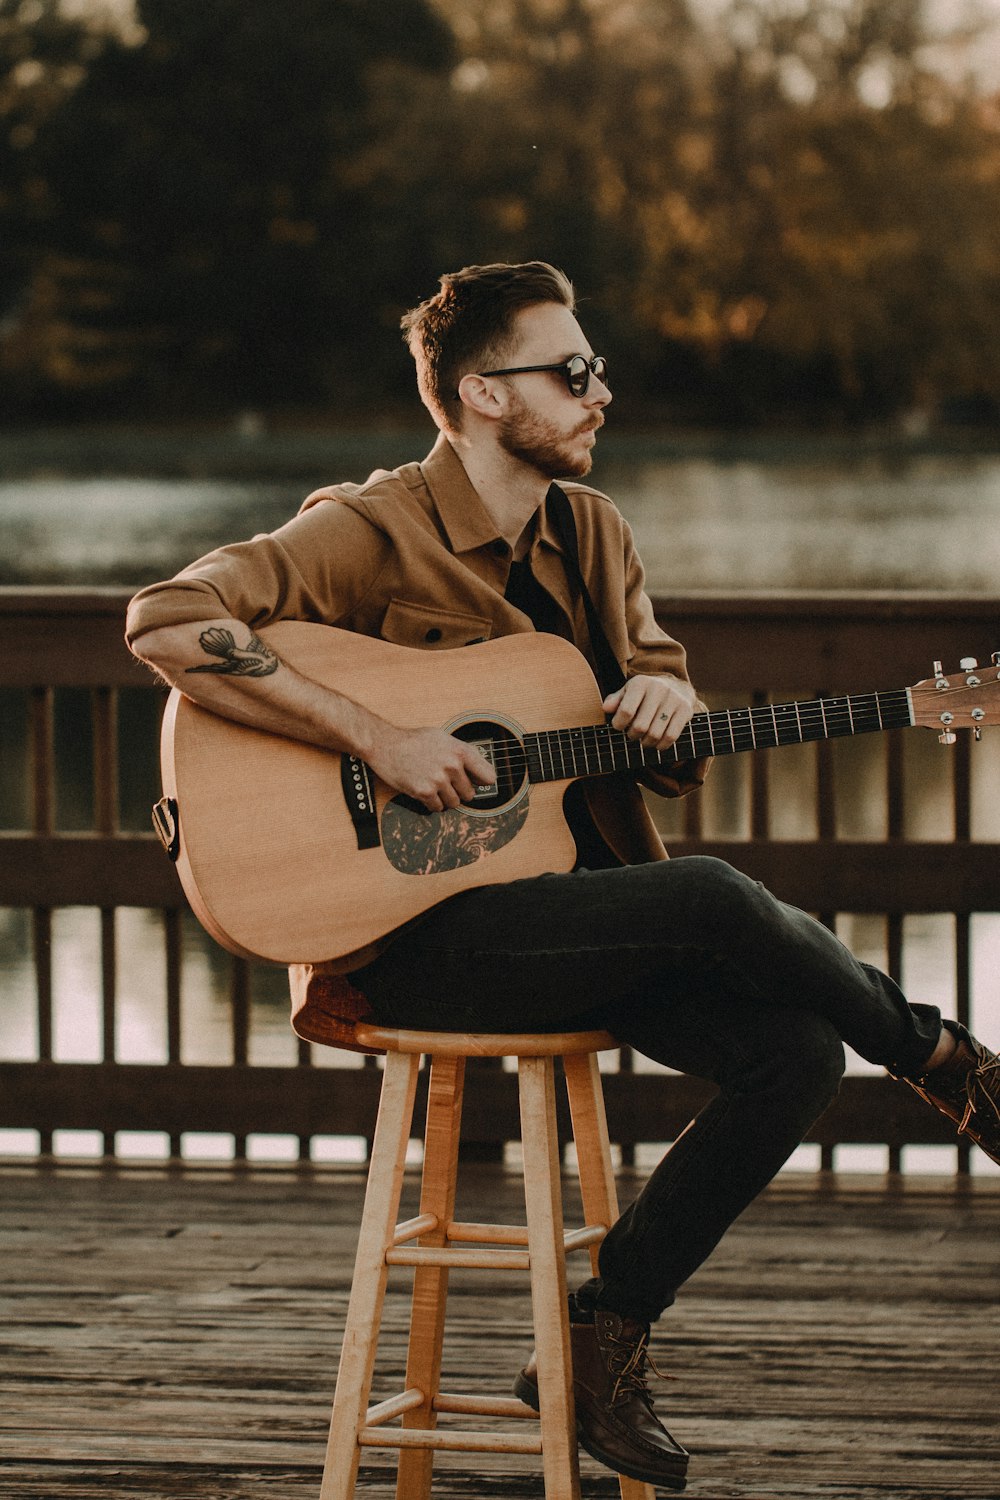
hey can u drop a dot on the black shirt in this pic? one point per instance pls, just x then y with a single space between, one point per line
526 594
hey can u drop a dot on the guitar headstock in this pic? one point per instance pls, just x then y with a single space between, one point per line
969 699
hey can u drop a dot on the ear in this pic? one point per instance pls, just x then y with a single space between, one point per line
480 396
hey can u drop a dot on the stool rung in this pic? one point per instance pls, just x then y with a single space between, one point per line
485 1234
410 1229
489 1235
587 1234
483 1406
394 1406
444 1440
441 1255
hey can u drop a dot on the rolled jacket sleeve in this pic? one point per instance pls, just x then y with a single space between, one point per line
313 568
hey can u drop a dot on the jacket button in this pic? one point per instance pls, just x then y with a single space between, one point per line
433 634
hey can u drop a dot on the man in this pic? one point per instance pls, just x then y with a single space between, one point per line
687 960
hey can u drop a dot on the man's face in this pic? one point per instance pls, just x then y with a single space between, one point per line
544 425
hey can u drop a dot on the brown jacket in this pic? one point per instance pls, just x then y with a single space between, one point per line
413 556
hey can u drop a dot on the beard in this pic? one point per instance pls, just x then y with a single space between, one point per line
543 446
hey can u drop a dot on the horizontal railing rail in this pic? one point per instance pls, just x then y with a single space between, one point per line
885 833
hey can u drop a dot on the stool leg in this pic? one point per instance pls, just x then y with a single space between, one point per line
364 1313
593 1150
597 1178
543 1206
430 1283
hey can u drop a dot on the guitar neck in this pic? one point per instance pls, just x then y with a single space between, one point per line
598 750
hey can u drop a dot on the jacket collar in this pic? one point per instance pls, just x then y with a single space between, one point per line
463 515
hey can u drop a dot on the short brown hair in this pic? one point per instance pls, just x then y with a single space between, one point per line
468 325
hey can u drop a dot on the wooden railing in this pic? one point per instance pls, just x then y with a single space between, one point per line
880 832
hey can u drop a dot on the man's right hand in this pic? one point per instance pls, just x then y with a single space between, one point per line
430 765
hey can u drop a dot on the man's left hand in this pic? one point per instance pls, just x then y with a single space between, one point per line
652 710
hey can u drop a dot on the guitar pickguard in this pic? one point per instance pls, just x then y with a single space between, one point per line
418 842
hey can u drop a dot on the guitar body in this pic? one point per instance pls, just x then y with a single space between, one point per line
268 851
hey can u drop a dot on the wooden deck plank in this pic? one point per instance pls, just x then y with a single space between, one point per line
173 1333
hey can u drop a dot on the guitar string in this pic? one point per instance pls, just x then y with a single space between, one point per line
735 728
726 723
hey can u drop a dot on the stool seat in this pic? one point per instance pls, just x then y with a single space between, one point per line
435 1241
483 1043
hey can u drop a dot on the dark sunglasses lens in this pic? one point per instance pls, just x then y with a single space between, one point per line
578 375
599 368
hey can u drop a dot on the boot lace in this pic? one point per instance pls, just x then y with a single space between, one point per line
982 1086
630 1361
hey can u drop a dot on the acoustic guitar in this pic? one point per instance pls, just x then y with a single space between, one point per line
292 853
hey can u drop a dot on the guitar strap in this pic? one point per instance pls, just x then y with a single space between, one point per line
609 674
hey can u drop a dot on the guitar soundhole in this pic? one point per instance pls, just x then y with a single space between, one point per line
418 842
505 753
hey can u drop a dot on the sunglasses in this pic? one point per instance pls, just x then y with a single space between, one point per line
576 371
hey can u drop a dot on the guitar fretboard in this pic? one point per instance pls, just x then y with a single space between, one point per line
597 750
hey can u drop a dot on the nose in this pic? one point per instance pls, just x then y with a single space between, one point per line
598 394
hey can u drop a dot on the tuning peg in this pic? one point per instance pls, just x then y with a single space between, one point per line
940 680
947 737
968 664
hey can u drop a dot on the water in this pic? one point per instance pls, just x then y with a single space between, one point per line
867 522
846 522
128 531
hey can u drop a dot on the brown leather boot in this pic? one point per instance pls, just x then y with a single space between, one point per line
615 1420
967 1089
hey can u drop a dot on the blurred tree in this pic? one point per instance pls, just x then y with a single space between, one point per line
760 210
43 59
197 183
837 243
779 211
561 116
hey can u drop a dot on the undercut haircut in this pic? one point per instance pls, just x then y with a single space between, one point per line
468 326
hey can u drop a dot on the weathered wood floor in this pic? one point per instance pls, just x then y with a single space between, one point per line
171 1334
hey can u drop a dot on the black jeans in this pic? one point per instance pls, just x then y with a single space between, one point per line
694 965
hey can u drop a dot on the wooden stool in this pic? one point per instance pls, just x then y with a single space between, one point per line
434 1241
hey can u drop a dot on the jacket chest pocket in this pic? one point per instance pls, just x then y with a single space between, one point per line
429 627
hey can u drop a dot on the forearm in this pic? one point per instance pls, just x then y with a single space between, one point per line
228 669
225 667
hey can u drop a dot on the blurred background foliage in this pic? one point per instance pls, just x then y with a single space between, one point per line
776 212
